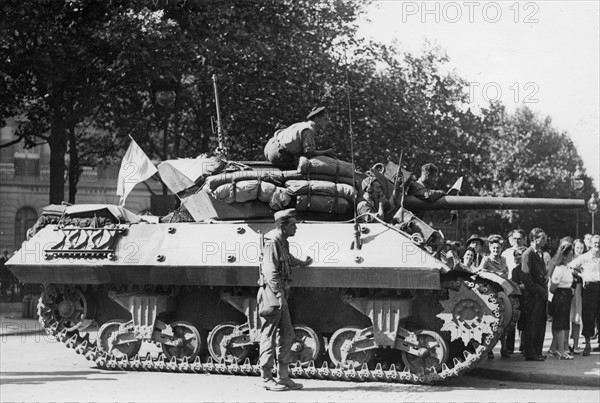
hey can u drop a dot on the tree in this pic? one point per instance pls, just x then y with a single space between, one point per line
54 66
59 60
525 156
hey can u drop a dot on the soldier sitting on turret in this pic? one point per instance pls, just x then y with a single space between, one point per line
287 145
375 202
421 188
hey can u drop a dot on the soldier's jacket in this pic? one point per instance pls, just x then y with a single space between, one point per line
276 267
298 138
420 190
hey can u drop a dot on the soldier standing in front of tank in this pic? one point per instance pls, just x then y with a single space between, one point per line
276 330
535 280
287 145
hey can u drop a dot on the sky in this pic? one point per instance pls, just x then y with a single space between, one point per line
542 54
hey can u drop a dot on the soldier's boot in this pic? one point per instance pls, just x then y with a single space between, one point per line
272 385
283 372
287 382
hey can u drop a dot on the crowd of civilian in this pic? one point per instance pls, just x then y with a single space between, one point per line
563 289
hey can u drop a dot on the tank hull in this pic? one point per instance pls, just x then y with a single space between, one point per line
364 305
225 254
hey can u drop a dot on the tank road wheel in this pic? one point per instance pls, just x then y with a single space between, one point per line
341 340
218 344
308 346
437 353
107 336
186 339
64 304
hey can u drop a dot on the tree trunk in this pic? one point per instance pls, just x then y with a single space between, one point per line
74 168
58 147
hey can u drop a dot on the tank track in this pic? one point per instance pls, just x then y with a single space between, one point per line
458 364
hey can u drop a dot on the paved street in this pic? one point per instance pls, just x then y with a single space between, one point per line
34 367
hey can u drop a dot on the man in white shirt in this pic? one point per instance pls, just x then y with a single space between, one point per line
516 238
588 267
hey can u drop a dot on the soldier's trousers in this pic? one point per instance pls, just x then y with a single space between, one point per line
276 335
510 340
590 308
279 156
535 326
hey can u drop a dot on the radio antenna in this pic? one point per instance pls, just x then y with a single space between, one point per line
357 241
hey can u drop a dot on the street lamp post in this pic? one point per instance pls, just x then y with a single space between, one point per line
577 182
592 206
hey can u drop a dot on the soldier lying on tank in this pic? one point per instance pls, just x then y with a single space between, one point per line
375 203
276 331
287 145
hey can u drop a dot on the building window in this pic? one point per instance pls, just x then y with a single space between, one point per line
26 167
26 217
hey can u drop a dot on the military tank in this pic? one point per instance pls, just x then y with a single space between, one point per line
382 301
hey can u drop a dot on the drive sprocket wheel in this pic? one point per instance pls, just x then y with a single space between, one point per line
473 312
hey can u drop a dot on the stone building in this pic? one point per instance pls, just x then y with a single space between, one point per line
25 185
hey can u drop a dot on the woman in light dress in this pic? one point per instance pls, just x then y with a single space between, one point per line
561 283
579 249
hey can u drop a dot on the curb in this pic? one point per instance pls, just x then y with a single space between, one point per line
16 326
23 332
532 377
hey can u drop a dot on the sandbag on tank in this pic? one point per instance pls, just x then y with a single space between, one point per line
274 176
240 192
295 175
320 188
325 166
276 196
322 204
244 191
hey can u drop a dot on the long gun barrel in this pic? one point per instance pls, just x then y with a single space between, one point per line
491 203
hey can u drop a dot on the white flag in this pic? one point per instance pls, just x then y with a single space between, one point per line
136 167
